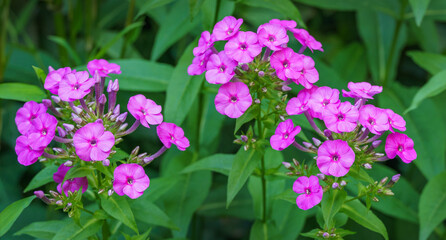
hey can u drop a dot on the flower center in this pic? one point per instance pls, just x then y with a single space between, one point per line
44 132
341 117
371 121
325 102
76 86
285 64
129 181
286 136
335 158
400 148
93 142
172 138
230 31
143 112
307 191
271 38
243 46
222 68
233 99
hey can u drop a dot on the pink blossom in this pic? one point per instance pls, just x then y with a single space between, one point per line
272 36
288 24
311 192
243 47
361 90
93 143
226 28
70 185
286 63
335 157
233 99
103 67
298 105
284 135
204 43
309 74
341 118
170 133
131 180
42 130
400 144
54 77
322 98
220 68
145 110
198 65
60 174
395 121
373 118
307 40
75 86
26 114
26 154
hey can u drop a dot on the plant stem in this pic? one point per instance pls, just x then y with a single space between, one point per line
4 6
60 31
128 21
261 137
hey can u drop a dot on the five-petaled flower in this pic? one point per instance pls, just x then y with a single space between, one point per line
131 180
400 144
145 110
93 143
311 192
233 99
335 157
170 133
284 135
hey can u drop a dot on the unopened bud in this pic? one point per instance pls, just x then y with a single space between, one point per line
110 192
106 162
287 165
42 159
282 118
375 199
316 142
135 151
307 144
277 107
56 99
264 89
109 86
68 163
122 117
59 202
251 84
102 99
61 132
116 111
327 133
246 147
76 118
395 178
286 88
388 192
119 140
379 154
244 138
376 143
99 121
101 191
367 166
54 194
245 67
384 180
343 183
68 206
115 86
68 127
50 69
47 102
321 176
96 77
39 194
295 162
141 156
123 127
261 73
325 235
76 110
257 101
335 185
70 214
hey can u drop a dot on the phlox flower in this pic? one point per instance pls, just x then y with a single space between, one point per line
309 74
199 63
28 155
286 63
341 118
226 28
322 98
93 143
298 105
145 110
400 144
243 47
103 67
26 114
70 185
373 118
204 43
131 180
42 130
233 99
311 192
284 135
54 77
288 24
220 68
335 157
272 36
361 90
75 86
170 133
60 174
395 121
307 40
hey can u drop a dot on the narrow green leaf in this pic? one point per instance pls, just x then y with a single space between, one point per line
62 42
384 6
432 62
118 207
435 86
77 172
10 214
145 6
43 230
150 213
219 162
73 232
419 8
285 7
259 231
43 177
331 203
249 115
21 92
41 75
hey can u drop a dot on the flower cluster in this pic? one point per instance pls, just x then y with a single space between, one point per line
89 134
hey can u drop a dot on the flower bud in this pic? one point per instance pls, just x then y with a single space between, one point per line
327 133
295 162
61 132
101 191
96 77
321 176
50 69
379 155
384 180
286 88
282 118
335 185
123 127
375 199
317 142
264 89
54 194
39 194
135 151
76 110
244 138
115 86
106 162
325 235
246 147
395 178
76 118
68 163
110 192
102 99
367 166
376 143
388 192
261 74
59 202
257 101
56 99
47 102
109 86
68 206
343 183
245 67
68 127
116 111
122 117
307 144
287 165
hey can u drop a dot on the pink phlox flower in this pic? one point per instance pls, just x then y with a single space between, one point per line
284 135
26 114
361 90
322 98
54 77
131 180
400 144
341 118
272 36
205 42
335 157
286 63
233 99
243 47
42 130
170 133
309 74
288 24
311 192
60 174
199 63
307 40
226 28
70 185
298 105
75 86
396 121
93 143
373 118
220 68
145 110
103 67
28 155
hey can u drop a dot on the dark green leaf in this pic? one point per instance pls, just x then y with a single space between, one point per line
431 62
62 42
259 231
384 6
21 92
249 115
219 162
349 63
77 172
331 203
43 177
118 207
419 9
10 214
73 232
145 6
285 7
150 213
43 230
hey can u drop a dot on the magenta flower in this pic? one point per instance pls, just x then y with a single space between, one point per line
28 155
170 133
395 121
322 98
220 68
198 65
341 118
361 90
335 157
373 118
204 43
233 99
284 135
272 36
26 114
307 40
131 180
92 143
60 174
226 28
243 47
298 105
75 86
145 110
53 79
288 24
42 130
400 144
286 63
103 67
70 185
311 192
309 73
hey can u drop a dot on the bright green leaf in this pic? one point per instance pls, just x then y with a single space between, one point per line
62 42
73 232
150 213
419 9
43 230
219 162
145 6
285 7
432 62
118 207
331 203
435 86
43 177
10 214
249 115
21 92
41 75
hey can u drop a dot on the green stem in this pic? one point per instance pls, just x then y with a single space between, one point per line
261 136
4 6
59 25
128 21
352 199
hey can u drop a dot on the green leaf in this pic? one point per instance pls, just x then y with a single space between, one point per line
150 213
285 7
384 6
21 92
43 177
432 205
435 86
62 42
143 76
288 218
249 115
73 232
259 231
331 203
349 63
419 9
43 230
219 162
10 214
360 214
244 164
77 172
118 207
145 6
431 62
41 75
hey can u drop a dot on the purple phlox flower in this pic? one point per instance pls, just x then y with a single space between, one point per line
28 155
309 74
205 42
54 77
298 105
103 67
170 133
286 63
322 98
272 36
243 47
226 28
42 130
341 118
335 157
233 99
307 40
400 144
395 121
373 118
60 174
26 114
288 24
284 135
75 86
220 68
131 180
199 63
311 192
70 185
93 143
145 110
361 90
